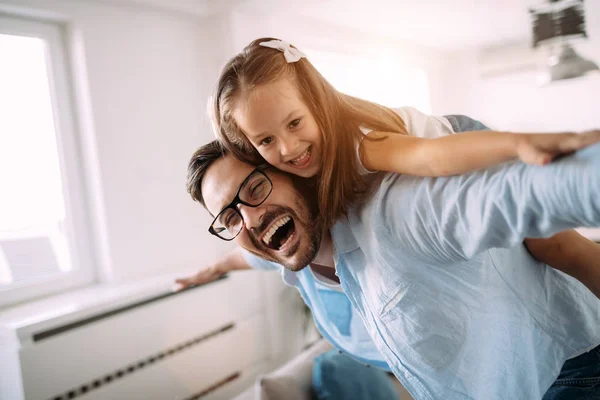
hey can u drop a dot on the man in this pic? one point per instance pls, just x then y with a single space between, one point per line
436 300
332 311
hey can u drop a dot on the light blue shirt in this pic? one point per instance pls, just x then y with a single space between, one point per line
450 296
332 312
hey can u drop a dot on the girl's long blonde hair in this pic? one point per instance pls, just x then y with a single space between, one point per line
339 117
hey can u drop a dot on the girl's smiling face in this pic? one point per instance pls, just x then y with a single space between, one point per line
280 126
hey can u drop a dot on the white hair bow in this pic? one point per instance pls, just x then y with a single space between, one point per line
291 54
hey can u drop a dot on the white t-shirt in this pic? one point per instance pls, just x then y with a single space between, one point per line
417 124
423 125
326 282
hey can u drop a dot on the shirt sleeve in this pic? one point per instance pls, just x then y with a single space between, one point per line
259 263
422 125
454 218
417 124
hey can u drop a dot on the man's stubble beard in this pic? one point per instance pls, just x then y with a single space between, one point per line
306 217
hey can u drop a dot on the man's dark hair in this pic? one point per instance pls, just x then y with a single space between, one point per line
202 159
207 154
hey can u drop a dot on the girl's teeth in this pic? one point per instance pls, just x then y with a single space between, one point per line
302 158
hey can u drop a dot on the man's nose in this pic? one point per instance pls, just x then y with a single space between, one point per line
252 215
288 145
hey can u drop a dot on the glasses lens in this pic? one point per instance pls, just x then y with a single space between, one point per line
256 189
228 224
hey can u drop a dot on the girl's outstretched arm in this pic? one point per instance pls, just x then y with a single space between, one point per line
465 151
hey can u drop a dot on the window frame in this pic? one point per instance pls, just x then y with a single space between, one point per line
78 225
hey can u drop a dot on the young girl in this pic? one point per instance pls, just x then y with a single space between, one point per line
272 105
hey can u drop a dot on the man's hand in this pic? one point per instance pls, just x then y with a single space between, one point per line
233 261
542 148
205 275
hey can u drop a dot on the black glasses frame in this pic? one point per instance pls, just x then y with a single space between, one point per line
236 200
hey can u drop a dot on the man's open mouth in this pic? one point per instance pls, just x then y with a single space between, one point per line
279 234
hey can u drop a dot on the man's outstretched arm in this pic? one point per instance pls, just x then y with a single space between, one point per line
457 217
236 260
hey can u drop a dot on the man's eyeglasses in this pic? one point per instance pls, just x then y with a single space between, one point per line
252 193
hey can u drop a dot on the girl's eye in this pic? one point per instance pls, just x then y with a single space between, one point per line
266 141
294 123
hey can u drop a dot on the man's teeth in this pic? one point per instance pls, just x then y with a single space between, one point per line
271 232
287 240
302 157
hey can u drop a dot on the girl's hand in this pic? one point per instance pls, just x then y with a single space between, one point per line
542 148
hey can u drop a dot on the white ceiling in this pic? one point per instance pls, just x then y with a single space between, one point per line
445 24
200 8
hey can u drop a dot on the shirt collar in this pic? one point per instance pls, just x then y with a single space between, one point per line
290 277
343 242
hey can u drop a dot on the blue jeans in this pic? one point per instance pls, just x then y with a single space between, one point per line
579 378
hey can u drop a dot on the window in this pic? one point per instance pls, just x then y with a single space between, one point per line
40 177
383 80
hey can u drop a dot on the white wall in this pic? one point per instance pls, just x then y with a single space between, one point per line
149 75
515 102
